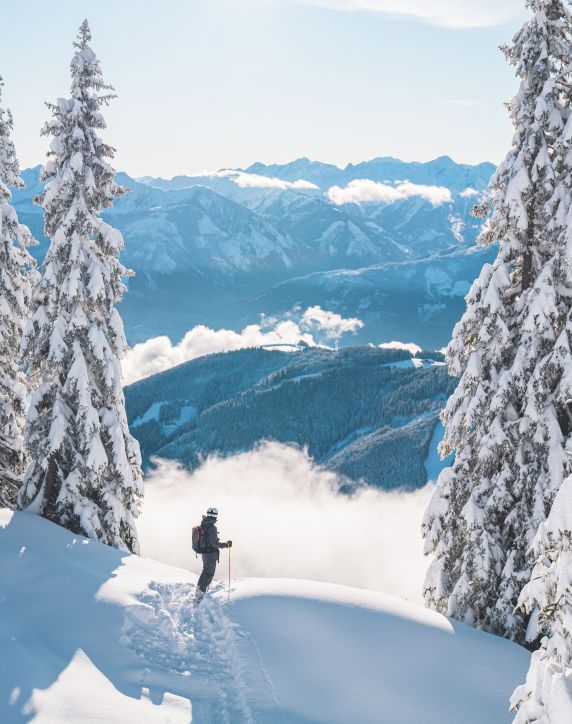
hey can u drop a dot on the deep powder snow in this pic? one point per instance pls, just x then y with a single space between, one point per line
88 634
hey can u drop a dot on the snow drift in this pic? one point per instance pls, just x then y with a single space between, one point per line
91 634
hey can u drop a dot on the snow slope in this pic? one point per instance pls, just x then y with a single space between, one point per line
89 634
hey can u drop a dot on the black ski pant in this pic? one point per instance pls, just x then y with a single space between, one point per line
209 567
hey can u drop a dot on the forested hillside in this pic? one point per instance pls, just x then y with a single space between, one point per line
367 413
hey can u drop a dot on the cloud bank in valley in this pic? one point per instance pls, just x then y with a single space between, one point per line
310 327
286 519
448 13
365 190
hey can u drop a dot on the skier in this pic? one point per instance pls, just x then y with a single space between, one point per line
211 556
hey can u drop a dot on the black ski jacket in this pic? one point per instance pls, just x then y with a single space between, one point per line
213 544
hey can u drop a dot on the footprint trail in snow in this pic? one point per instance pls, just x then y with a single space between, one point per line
203 645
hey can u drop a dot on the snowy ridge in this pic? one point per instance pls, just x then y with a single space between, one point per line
281 651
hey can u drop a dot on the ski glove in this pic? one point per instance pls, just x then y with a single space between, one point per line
229 544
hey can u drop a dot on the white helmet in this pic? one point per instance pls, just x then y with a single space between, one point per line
212 513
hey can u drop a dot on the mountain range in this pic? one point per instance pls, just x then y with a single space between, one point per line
220 249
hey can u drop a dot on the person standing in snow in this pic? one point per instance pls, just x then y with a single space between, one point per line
212 548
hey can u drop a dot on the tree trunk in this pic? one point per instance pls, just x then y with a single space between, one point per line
49 511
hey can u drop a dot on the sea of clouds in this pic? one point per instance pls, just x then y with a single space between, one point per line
287 519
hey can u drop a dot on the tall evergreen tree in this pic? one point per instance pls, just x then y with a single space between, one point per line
85 466
509 420
16 270
547 695
547 597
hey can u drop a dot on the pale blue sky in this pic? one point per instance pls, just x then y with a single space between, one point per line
209 83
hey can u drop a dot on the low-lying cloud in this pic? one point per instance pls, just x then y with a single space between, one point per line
365 190
255 181
448 13
312 327
287 520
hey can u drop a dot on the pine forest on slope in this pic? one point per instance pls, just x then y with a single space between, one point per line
366 413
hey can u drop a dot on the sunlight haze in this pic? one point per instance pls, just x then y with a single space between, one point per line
224 83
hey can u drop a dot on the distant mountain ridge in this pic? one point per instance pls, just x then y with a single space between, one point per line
417 300
440 171
212 249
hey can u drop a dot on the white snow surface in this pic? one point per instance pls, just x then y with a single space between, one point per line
91 634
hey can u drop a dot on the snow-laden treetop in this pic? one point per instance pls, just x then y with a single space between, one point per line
9 166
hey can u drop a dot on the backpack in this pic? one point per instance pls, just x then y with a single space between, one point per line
199 540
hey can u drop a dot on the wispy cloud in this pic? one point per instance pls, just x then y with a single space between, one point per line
364 190
255 181
447 13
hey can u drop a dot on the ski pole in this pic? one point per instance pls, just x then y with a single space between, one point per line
229 573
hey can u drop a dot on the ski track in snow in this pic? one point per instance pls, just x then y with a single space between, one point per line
200 642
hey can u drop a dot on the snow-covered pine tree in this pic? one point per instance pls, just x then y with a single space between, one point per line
547 597
85 466
547 695
16 271
509 420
